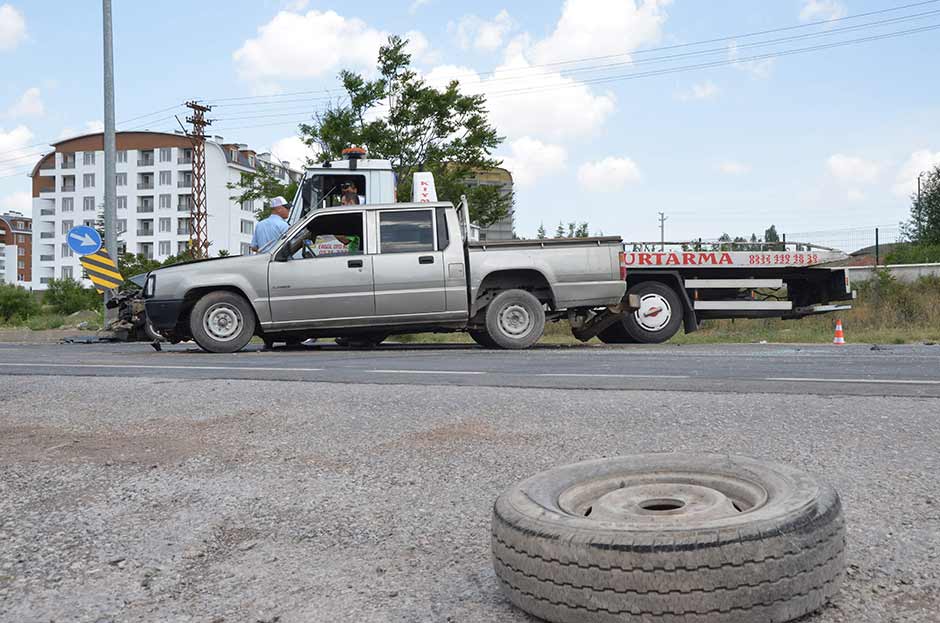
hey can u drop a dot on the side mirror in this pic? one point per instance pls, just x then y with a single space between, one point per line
283 254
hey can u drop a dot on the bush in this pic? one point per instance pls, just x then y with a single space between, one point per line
42 322
914 254
67 296
15 302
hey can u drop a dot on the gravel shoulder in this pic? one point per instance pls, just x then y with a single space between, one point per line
166 500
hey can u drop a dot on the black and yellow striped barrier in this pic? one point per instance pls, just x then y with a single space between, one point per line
102 270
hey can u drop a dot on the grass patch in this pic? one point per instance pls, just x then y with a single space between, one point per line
41 322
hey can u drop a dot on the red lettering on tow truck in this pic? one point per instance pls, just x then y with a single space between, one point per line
645 259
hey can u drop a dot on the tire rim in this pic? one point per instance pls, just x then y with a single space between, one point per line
223 322
654 314
515 321
662 502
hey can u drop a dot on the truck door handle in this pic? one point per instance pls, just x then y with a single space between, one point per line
426 259
354 263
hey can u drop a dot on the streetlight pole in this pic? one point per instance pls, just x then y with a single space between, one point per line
110 148
662 231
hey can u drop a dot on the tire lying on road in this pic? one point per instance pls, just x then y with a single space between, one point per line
222 322
669 538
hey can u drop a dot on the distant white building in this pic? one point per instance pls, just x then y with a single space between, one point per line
154 197
16 237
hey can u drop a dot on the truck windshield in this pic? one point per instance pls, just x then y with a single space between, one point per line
322 190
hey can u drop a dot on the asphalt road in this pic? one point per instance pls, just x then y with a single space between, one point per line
187 487
826 370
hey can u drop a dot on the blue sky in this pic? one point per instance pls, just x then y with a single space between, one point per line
822 140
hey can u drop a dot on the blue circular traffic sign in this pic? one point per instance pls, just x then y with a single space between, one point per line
84 240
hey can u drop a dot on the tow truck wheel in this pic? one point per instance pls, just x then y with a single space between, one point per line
222 322
659 316
515 320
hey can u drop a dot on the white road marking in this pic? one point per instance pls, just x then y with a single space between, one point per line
610 376
151 367
426 371
858 381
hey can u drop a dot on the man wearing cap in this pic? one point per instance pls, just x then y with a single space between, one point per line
268 231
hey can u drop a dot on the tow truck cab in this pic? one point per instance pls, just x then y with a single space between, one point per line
322 186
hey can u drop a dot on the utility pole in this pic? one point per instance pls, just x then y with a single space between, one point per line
110 179
662 231
199 225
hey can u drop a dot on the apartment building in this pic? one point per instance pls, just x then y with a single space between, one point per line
154 179
16 249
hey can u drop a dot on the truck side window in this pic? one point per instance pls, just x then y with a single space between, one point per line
329 234
443 238
406 231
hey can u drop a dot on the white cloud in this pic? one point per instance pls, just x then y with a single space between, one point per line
29 105
590 28
854 194
852 169
293 150
12 27
818 10
417 4
21 202
295 46
757 68
480 34
702 91
733 167
920 161
531 159
16 140
90 127
608 174
569 109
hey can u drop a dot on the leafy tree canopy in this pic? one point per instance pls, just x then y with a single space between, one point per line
400 118
924 225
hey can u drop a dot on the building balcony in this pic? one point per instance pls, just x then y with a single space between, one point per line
47 234
184 160
145 185
183 231
184 183
145 208
68 164
144 232
47 212
47 258
145 162
67 188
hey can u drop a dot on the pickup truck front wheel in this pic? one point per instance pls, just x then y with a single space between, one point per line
515 320
222 322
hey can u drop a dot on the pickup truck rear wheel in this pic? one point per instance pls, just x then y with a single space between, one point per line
659 316
222 322
515 320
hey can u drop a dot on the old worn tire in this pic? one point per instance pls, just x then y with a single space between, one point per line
482 338
515 319
659 296
564 554
222 322
615 334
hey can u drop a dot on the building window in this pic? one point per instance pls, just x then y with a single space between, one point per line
21 264
45 279
120 179
67 272
66 226
122 156
66 250
21 250
122 225
122 202
185 179
68 160
88 158
20 238
145 249
183 227
166 153
246 248
89 222
145 204
164 248
248 205
166 178
248 227
166 226
182 247
145 158
184 203
68 204
165 202
88 180
88 204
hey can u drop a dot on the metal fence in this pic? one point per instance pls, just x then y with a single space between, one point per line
851 239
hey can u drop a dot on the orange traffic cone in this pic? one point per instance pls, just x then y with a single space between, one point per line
840 336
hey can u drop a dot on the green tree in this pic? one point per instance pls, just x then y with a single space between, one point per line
770 234
67 296
15 302
924 225
417 127
582 231
262 184
560 231
540 234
